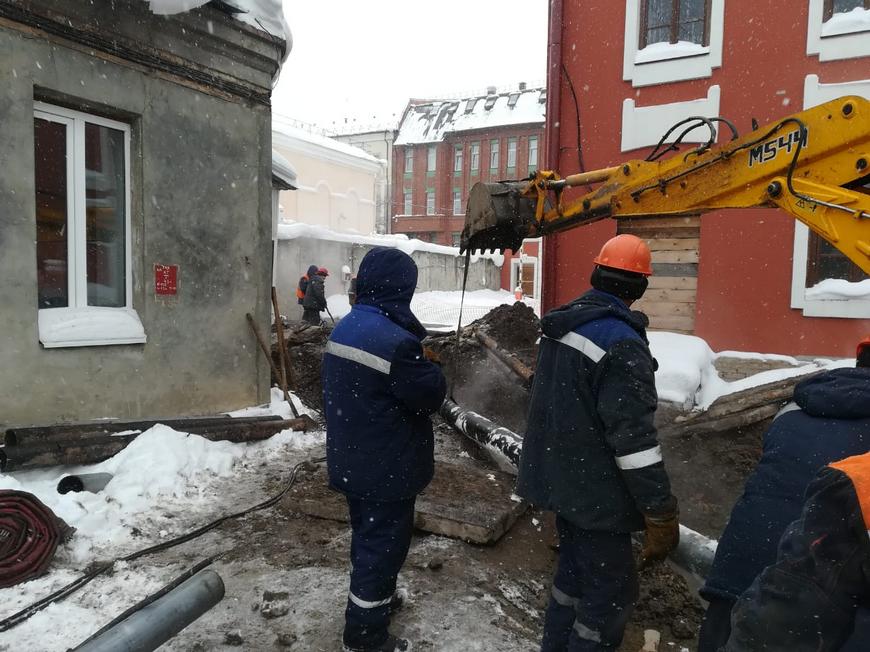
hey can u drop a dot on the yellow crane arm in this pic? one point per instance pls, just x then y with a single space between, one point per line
810 164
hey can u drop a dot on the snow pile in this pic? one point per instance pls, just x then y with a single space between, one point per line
265 15
664 50
82 326
837 289
847 22
293 230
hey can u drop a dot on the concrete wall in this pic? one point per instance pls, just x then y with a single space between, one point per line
200 183
435 271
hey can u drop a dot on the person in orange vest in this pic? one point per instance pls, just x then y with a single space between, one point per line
302 286
808 600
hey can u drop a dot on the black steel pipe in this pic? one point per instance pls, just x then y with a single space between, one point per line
92 482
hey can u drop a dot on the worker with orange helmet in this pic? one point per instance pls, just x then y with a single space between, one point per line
591 455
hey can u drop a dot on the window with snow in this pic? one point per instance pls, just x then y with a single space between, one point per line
430 202
430 158
456 237
409 160
82 182
512 153
843 6
457 159
457 202
837 29
533 153
493 155
475 157
674 21
824 261
409 204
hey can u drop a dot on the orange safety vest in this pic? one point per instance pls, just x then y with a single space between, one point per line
857 468
299 293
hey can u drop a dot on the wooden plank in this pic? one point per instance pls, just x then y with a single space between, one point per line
672 323
669 295
673 283
649 235
663 309
674 244
627 223
675 269
690 256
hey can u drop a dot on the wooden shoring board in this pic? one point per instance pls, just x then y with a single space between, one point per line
462 502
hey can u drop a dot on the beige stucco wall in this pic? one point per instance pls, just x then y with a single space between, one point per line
334 189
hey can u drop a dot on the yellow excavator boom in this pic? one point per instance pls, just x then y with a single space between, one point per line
811 164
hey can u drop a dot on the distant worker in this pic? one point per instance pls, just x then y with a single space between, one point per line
379 390
315 297
303 283
809 599
591 454
828 420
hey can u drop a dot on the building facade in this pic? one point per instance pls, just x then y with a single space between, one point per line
136 210
378 143
444 147
741 279
337 184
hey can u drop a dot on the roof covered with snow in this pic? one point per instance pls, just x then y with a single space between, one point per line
431 122
283 172
264 15
291 136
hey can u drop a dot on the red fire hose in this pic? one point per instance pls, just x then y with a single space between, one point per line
29 536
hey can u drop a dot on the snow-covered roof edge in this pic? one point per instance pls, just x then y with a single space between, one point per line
283 171
293 137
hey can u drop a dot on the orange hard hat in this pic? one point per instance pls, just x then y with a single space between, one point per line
626 252
863 345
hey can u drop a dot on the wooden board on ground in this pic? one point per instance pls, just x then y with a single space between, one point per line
462 502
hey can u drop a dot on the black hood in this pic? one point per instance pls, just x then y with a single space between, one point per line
837 394
386 280
589 307
312 270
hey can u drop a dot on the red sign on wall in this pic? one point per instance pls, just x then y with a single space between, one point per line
166 279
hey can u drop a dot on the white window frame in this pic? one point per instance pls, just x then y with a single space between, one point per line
833 46
815 94
661 65
457 158
512 153
494 153
431 158
408 203
62 327
474 164
517 263
430 202
457 203
409 160
533 160
644 126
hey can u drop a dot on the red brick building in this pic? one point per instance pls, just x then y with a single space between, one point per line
444 147
741 279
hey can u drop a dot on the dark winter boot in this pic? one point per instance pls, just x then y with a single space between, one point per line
392 644
398 601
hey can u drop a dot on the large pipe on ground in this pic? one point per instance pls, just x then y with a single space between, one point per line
695 552
521 370
157 622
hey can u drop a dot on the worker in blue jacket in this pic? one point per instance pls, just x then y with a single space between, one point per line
379 390
829 419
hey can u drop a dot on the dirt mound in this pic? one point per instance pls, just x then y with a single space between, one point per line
667 604
515 327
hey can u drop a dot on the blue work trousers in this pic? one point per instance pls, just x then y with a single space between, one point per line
379 544
593 593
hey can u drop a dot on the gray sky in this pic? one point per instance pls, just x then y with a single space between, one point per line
360 60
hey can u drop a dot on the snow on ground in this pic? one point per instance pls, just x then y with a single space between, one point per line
164 483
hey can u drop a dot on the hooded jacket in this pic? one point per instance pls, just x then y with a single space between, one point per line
315 294
828 420
302 286
379 389
590 451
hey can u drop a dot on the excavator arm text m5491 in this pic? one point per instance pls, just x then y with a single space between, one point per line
811 164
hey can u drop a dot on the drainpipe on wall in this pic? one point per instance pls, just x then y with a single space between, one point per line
552 142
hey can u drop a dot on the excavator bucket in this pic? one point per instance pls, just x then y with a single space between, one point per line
498 216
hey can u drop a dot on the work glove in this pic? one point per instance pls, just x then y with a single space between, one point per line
431 355
662 534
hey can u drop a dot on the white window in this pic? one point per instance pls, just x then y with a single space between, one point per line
409 206
409 160
493 155
457 202
512 153
643 126
430 159
824 282
672 40
838 29
475 157
83 260
430 202
533 153
457 159
456 237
